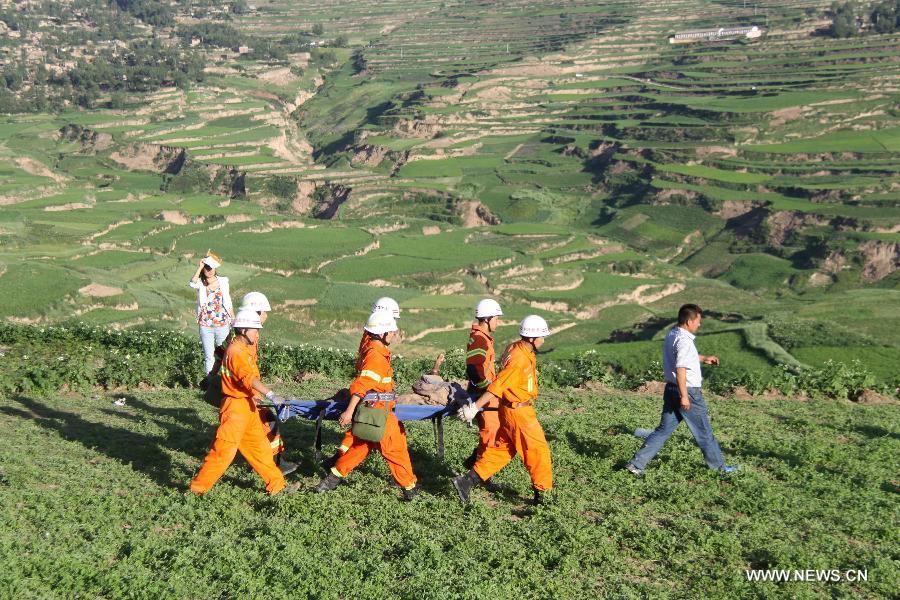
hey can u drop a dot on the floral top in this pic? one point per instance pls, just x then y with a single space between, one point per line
214 313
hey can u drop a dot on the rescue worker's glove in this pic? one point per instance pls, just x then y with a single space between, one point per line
467 413
276 400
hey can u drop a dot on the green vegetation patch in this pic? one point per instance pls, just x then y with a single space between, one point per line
31 288
759 271
716 174
404 254
885 140
280 248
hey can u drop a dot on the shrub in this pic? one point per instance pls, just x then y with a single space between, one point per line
837 380
48 359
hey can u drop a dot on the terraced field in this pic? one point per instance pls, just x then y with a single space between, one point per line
565 158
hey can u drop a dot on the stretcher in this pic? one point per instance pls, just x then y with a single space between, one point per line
329 410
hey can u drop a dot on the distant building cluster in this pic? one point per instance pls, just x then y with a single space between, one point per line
723 33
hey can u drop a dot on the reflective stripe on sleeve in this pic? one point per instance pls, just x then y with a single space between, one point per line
375 376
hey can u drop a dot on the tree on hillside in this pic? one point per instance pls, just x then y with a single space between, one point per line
318 29
885 17
845 19
151 13
212 34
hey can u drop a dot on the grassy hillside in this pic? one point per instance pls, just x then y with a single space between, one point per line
104 510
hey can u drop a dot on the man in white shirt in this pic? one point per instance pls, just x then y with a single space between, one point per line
682 399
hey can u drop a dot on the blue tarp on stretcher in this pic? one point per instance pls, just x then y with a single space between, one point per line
328 410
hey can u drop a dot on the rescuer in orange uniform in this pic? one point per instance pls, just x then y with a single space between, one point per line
374 385
516 388
480 371
257 302
240 427
386 305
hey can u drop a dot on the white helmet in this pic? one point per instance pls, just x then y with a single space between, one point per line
246 319
380 322
255 301
388 305
534 326
487 308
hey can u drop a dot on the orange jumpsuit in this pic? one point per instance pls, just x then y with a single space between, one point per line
266 416
348 436
481 372
520 433
375 374
240 426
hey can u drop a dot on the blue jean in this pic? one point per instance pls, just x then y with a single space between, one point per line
210 337
697 419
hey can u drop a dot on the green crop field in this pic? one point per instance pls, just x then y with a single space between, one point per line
631 164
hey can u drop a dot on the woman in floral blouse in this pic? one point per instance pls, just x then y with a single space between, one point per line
214 309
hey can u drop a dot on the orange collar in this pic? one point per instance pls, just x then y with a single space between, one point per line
378 346
526 347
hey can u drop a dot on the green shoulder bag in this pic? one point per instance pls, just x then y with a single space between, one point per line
369 422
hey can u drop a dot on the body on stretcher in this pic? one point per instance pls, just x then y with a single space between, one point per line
329 410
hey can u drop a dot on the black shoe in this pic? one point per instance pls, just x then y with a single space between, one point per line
490 485
470 461
410 494
287 467
539 498
328 484
464 484
328 463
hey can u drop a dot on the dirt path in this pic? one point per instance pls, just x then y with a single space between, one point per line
33 167
361 252
636 296
32 194
431 330
109 228
97 290
687 241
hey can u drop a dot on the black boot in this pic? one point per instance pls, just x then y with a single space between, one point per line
470 461
464 484
328 484
328 463
490 485
410 494
287 467
539 498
